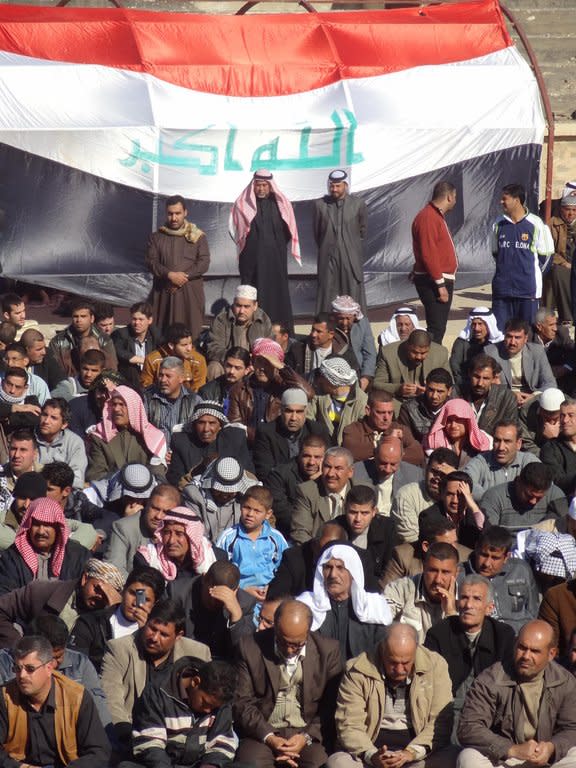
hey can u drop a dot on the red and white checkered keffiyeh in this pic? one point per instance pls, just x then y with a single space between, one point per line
244 210
199 545
106 429
44 511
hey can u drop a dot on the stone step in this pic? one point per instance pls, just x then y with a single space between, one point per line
541 5
536 24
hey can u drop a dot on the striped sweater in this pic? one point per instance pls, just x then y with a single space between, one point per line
167 733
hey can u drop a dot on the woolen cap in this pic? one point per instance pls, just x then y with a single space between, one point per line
294 396
209 408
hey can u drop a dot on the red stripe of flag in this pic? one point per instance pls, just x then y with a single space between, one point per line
258 55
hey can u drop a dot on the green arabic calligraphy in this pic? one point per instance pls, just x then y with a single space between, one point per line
186 153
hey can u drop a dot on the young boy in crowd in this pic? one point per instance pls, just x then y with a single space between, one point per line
188 721
253 545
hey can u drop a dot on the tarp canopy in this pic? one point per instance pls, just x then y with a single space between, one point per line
105 112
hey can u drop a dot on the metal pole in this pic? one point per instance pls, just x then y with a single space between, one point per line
251 3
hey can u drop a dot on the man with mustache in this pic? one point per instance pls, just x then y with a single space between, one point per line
481 329
42 549
426 599
147 656
45 718
523 710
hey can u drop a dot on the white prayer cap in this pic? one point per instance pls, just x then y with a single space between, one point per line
572 509
246 292
551 399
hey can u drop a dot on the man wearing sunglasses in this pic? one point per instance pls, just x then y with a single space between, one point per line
45 718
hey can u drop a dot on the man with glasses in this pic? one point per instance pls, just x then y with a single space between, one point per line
45 718
278 718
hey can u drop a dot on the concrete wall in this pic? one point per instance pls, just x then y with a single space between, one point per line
564 161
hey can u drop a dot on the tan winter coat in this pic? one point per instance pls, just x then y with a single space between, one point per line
361 700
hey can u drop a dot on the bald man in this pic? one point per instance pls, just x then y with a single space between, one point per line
387 472
524 710
276 716
395 706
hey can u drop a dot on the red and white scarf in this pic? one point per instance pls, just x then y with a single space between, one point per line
106 430
43 511
199 545
244 210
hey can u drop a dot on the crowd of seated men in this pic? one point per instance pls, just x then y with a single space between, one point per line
256 550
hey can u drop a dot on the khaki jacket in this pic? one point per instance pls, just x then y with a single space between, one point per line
353 410
361 700
409 604
393 367
124 672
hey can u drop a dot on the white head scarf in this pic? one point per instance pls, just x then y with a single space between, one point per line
369 607
483 313
390 335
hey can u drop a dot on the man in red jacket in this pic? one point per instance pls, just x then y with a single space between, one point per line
435 261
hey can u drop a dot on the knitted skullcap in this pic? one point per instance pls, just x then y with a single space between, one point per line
209 408
338 373
134 480
551 399
246 292
294 396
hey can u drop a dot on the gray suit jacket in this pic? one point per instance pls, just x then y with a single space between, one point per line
125 538
392 368
124 672
536 370
365 474
312 508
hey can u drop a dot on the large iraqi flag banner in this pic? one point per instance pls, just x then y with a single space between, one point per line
105 112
